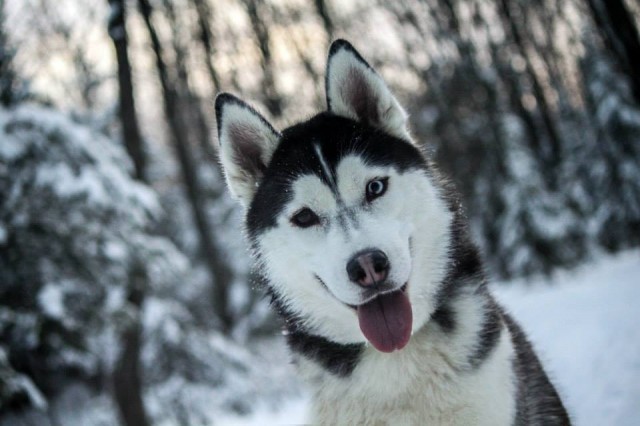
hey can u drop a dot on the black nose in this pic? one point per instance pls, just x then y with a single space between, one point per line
368 268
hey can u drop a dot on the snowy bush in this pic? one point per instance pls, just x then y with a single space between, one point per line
531 213
611 164
193 374
75 230
536 230
73 227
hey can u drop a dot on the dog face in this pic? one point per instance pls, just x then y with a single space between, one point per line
343 211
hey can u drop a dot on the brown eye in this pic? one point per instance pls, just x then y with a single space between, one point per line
305 218
376 188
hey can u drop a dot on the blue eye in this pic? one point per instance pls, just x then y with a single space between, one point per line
376 188
305 218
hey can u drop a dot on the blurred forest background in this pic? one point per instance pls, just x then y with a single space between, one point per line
126 293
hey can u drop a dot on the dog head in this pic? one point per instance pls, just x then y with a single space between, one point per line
343 211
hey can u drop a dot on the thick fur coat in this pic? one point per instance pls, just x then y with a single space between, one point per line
366 254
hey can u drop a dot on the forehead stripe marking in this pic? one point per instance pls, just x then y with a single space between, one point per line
326 171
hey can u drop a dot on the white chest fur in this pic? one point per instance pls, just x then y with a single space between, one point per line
424 384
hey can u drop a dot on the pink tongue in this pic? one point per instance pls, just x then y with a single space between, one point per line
386 321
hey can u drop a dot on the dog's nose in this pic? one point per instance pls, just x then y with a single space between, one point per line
368 268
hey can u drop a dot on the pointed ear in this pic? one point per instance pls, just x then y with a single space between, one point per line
356 91
247 142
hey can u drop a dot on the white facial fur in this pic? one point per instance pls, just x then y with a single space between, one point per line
409 223
295 256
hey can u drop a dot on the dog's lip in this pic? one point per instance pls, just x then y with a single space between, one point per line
355 307
323 284
403 289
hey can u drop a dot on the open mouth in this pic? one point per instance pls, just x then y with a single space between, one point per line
386 320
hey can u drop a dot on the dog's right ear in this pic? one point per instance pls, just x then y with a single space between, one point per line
356 91
247 142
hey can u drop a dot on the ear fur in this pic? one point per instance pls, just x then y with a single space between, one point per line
354 90
247 142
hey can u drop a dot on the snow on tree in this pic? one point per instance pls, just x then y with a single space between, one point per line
10 87
536 229
17 388
610 164
74 227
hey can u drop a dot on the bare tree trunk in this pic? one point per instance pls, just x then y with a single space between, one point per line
127 377
468 55
206 37
408 17
616 25
193 117
551 155
127 110
127 380
203 9
323 11
548 50
190 106
513 89
273 101
220 272
8 78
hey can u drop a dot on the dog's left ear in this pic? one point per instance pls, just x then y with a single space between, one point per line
356 91
247 142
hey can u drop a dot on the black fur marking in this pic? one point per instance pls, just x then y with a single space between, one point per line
322 282
465 264
445 318
340 44
489 335
466 274
465 267
537 402
296 156
223 98
336 358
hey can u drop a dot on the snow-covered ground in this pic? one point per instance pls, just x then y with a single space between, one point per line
585 325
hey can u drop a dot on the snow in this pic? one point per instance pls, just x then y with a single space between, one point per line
51 300
33 392
115 250
293 412
68 184
585 326
10 148
49 130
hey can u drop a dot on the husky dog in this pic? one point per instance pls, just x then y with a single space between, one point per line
367 257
